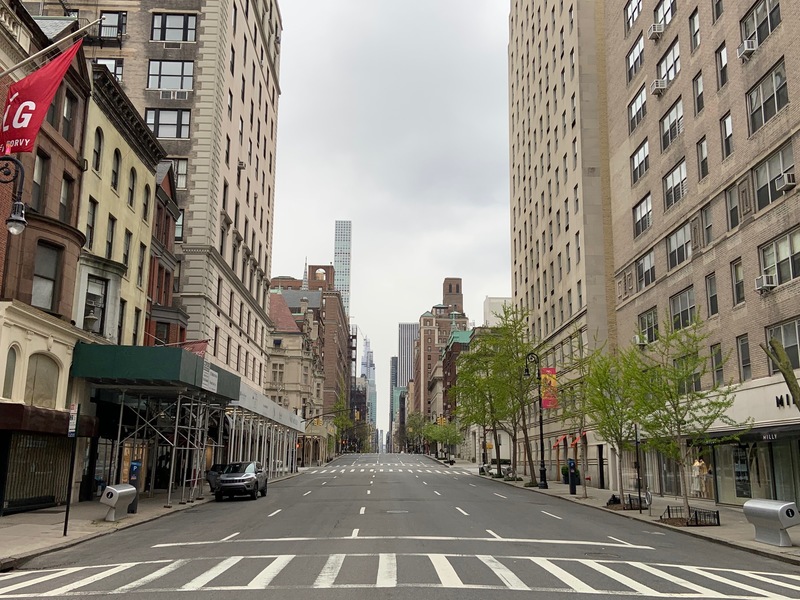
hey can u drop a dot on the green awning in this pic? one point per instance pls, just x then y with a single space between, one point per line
141 367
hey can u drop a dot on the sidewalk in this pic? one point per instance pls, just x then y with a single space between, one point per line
734 530
26 535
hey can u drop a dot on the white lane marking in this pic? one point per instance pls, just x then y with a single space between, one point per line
771 580
473 485
424 483
272 514
354 534
500 495
381 470
174 566
703 591
212 573
445 572
352 470
43 578
616 540
371 482
493 534
505 574
361 471
623 579
369 492
396 512
707 574
544 512
343 470
466 514
324 482
437 493
565 576
315 471
230 537
391 470
307 493
87 580
363 510
329 572
387 571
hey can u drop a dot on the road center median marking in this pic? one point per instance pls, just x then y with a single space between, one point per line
501 496
230 537
551 515
466 514
272 514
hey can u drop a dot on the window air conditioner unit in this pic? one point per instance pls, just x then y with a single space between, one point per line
658 87
746 48
181 95
655 31
766 282
640 340
785 182
240 165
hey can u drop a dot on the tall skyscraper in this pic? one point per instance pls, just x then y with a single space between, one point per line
204 74
341 261
368 372
392 386
408 333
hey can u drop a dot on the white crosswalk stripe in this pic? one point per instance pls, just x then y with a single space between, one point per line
455 571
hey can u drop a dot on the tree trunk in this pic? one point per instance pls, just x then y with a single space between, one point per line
584 464
620 486
528 450
514 451
682 473
496 438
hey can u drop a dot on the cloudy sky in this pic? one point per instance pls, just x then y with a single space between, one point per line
393 115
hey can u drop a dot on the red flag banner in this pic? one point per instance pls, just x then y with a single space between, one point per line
28 101
195 346
549 397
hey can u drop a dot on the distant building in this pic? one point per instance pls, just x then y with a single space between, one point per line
492 307
408 333
341 261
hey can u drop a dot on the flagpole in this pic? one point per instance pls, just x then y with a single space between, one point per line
52 46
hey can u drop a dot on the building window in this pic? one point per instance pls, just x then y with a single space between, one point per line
146 203
45 276
743 346
781 257
732 205
170 75
179 227
711 294
636 57
115 166
11 370
114 66
670 64
640 161
227 150
645 270
137 317
68 117
708 224
91 220
722 65
648 324
675 185
679 246
767 98
637 109
672 124
132 187
702 158
121 321
642 216
113 24
786 334
694 29
737 281
168 123
95 305
41 167
726 134
716 9
682 308
697 87
112 225
769 172
140 265
97 150
664 11
173 28
181 170
41 381
126 249
762 19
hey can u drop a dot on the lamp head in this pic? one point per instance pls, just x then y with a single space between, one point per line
16 222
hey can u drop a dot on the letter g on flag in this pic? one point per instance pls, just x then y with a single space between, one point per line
28 101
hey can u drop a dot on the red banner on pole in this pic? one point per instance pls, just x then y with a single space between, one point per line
28 100
549 396
195 346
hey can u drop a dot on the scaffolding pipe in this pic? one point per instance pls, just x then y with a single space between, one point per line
174 445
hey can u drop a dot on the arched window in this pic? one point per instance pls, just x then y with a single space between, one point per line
11 369
115 169
146 203
97 153
132 187
41 384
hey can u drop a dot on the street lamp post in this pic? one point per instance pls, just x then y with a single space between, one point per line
532 357
12 171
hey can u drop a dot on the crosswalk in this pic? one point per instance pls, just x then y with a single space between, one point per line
409 570
386 469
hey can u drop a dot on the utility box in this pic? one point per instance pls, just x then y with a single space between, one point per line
117 497
771 519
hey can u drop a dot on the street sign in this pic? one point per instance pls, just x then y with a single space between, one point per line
73 420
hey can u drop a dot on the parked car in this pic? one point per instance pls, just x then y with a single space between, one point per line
212 475
241 479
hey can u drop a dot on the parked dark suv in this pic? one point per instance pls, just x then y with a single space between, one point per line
241 479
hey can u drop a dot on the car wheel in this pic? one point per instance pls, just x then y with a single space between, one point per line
218 497
254 494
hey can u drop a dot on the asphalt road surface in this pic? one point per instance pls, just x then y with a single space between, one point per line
399 526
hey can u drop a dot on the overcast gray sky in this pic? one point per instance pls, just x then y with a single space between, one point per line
393 115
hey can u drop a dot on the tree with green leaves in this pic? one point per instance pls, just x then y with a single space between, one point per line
415 425
674 407
341 420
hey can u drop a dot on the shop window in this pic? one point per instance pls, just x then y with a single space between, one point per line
41 384
11 369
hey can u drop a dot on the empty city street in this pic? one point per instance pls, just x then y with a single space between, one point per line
405 522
